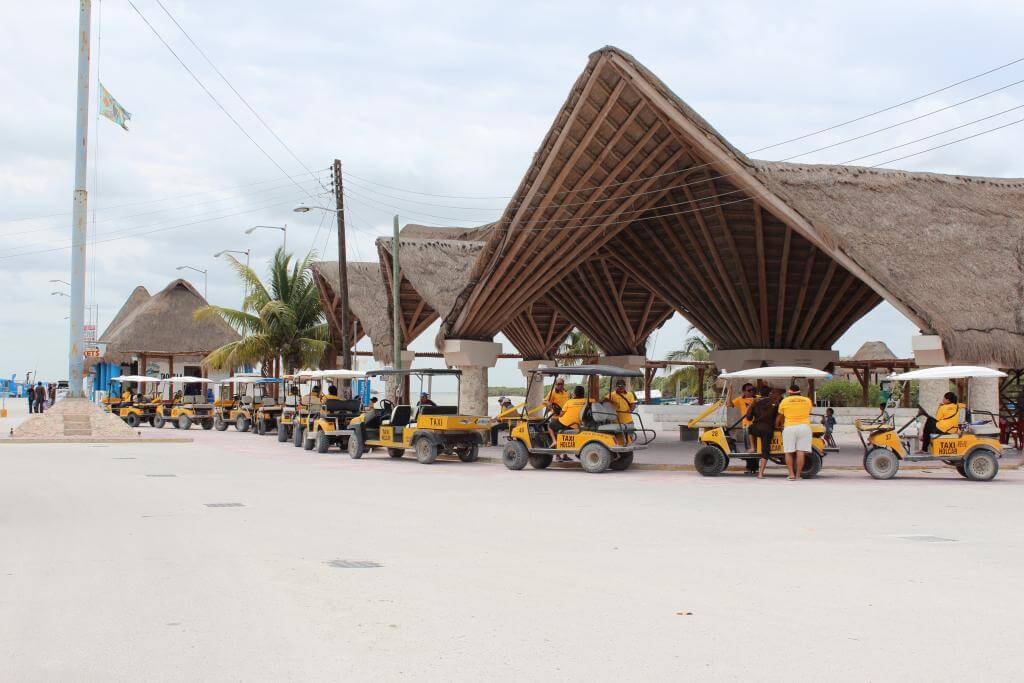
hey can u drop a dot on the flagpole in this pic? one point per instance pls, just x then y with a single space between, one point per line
78 231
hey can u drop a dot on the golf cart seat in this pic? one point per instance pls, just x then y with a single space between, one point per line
437 410
400 416
336 407
291 400
268 401
245 400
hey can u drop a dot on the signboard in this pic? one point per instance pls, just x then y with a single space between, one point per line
363 391
89 332
92 353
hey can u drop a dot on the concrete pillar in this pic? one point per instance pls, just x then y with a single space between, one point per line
929 353
733 360
535 394
473 357
985 394
929 393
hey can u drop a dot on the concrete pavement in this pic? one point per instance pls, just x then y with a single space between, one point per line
110 569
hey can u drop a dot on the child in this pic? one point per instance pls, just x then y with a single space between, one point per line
829 421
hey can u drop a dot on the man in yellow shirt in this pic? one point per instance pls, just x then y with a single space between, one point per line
946 420
742 403
557 397
624 402
795 416
569 418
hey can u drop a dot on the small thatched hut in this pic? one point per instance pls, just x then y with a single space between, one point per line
369 303
160 335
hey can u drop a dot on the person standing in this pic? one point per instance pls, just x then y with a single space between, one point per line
742 403
795 415
30 394
763 415
40 397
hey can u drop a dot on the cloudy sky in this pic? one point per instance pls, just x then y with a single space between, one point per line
444 98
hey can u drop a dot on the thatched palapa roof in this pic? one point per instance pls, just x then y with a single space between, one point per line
368 301
164 325
873 350
139 296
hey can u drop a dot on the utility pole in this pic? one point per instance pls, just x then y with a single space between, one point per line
76 328
396 305
346 332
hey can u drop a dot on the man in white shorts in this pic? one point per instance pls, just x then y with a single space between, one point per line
795 416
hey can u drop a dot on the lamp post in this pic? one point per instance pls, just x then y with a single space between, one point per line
60 294
346 335
282 228
198 270
61 282
236 251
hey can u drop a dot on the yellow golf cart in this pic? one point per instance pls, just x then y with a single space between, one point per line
973 449
139 408
602 441
330 425
427 429
183 409
723 438
239 398
290 403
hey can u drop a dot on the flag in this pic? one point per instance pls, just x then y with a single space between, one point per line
112 109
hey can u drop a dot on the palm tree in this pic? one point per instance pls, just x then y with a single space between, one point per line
282 323
579 344
696 347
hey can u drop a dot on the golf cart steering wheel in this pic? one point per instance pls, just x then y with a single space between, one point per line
386 406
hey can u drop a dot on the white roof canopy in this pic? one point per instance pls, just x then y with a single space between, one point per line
186 380
778 372
134 378
949 372
337 374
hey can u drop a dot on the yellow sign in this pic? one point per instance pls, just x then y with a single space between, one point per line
387 433
92 353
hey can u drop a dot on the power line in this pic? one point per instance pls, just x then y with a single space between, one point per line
212 97
235 90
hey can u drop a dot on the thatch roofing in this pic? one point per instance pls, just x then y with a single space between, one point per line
139 296
164 325
368 301
948 249
873 350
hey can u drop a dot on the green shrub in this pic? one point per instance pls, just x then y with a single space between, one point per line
843 393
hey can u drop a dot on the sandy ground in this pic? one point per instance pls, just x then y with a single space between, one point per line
111 569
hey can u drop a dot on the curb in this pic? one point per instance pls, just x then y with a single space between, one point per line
98 439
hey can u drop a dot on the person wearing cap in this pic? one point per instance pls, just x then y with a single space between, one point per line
557 397
795 416
569 418
425 400
742 403
624 402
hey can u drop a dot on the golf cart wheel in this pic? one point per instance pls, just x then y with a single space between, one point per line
959 465
515 455
881 463
282 433
219 424
540 461
241 424
710 461
469 453
297 436
595 458
207 425
396 452
355 446
622 462
323 442
426 451
309 440
184 422
132 419
812 465
158 421
981 465
260 427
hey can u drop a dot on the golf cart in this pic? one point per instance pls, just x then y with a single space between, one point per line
240 396
973 449
139 408
185 410
330 425
429 430
722 437
291 403
601 442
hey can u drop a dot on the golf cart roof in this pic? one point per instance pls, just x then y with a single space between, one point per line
605 370
336 374
134 378
301 375
249 379
186 380
411 371
948 372
778 372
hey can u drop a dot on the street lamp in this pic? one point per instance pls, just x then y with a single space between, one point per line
60 294
339 213
234 251
61 282
282 228
198 270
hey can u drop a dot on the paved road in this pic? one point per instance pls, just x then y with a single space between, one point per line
110 573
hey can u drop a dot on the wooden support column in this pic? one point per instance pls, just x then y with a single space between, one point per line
905 399
810 388
648 377
700 385
170 365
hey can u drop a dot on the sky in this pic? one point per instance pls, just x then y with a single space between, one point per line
447 98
